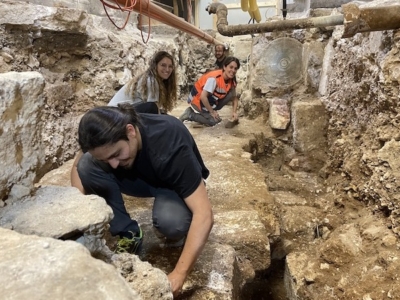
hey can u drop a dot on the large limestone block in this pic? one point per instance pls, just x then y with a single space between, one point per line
149 282
21 106
343 246
43 17
91 6
241 49
326 68
279 113
56 212
284 198
60 176
388 153
299 221
310 122
245 232
39 268
215 275
300 269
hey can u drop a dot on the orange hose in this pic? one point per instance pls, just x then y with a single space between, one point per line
156 12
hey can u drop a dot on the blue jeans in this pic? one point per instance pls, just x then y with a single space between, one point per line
171 215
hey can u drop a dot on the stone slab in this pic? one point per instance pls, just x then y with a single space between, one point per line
244 231
39 268
56 212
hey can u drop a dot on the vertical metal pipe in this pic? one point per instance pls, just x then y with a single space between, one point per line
284 9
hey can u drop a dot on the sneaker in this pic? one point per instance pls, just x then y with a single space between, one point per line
130 245
186 114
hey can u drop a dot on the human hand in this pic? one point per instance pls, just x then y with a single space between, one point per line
176 280
215 115
235 116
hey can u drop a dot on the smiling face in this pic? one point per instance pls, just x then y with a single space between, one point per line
121 153
219 52
165 68
230 70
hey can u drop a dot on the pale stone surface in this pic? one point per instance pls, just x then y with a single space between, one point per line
314 56
39 268
299 220
326 68
344 244
80 217
388 154
277 63
60 176
310 124
294 264
43 18
244 231
287 198
21 102
149 282
215 274
279 113
74 211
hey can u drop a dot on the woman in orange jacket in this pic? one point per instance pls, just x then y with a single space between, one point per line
212 92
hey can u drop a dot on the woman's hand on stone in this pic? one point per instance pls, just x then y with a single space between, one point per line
215 115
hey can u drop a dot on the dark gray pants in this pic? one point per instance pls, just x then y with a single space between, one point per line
204 117
171 216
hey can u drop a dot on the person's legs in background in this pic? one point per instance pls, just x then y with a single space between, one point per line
192 113
226 99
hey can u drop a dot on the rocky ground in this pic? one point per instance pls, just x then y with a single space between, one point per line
328 246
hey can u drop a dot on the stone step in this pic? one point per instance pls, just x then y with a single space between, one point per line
60 213
35 268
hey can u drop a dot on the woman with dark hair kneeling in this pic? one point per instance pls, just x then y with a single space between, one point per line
212 92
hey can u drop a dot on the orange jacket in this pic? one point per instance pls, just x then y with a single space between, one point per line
221 90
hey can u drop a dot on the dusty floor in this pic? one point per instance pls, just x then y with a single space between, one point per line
380 249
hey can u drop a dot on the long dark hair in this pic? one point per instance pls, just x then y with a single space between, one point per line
105 125
168 91
230 59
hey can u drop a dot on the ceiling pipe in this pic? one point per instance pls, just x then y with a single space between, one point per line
331 3
357 17
366 17
153 11
222 24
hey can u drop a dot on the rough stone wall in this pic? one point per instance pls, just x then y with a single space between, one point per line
362 99
286 68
